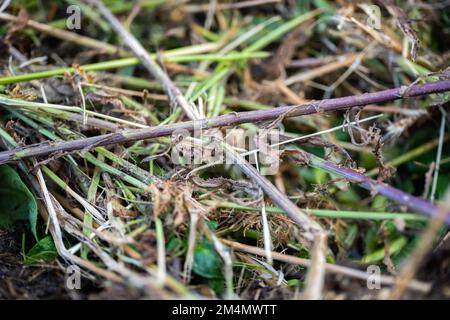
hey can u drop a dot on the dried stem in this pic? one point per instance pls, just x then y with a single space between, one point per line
398 196
332 268
66 35
276 195
315 278
174 93
125 136
176 96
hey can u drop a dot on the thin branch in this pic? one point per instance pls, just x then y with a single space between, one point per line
315 278
293 212
396 195
332 268
175 95
66 35
194 8
231 119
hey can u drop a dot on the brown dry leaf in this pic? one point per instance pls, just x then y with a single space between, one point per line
159 200
9 127
22 94
120 211
384 171
297 155
104 98
179 212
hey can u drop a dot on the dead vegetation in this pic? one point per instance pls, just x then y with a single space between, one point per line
100 122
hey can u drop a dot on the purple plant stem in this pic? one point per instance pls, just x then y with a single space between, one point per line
417 204
125 136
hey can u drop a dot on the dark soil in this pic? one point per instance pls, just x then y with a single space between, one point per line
18 281
437 269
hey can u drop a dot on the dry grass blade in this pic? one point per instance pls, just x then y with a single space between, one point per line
332 268
173 92
257 149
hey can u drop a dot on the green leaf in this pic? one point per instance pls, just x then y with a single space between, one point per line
212 224
43 251
207 262
217 285
176 246
347 235
370 240
295 283
395 247
16 201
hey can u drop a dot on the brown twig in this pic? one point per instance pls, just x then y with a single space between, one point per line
396 195
234 118
332 268
66 35
175 94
